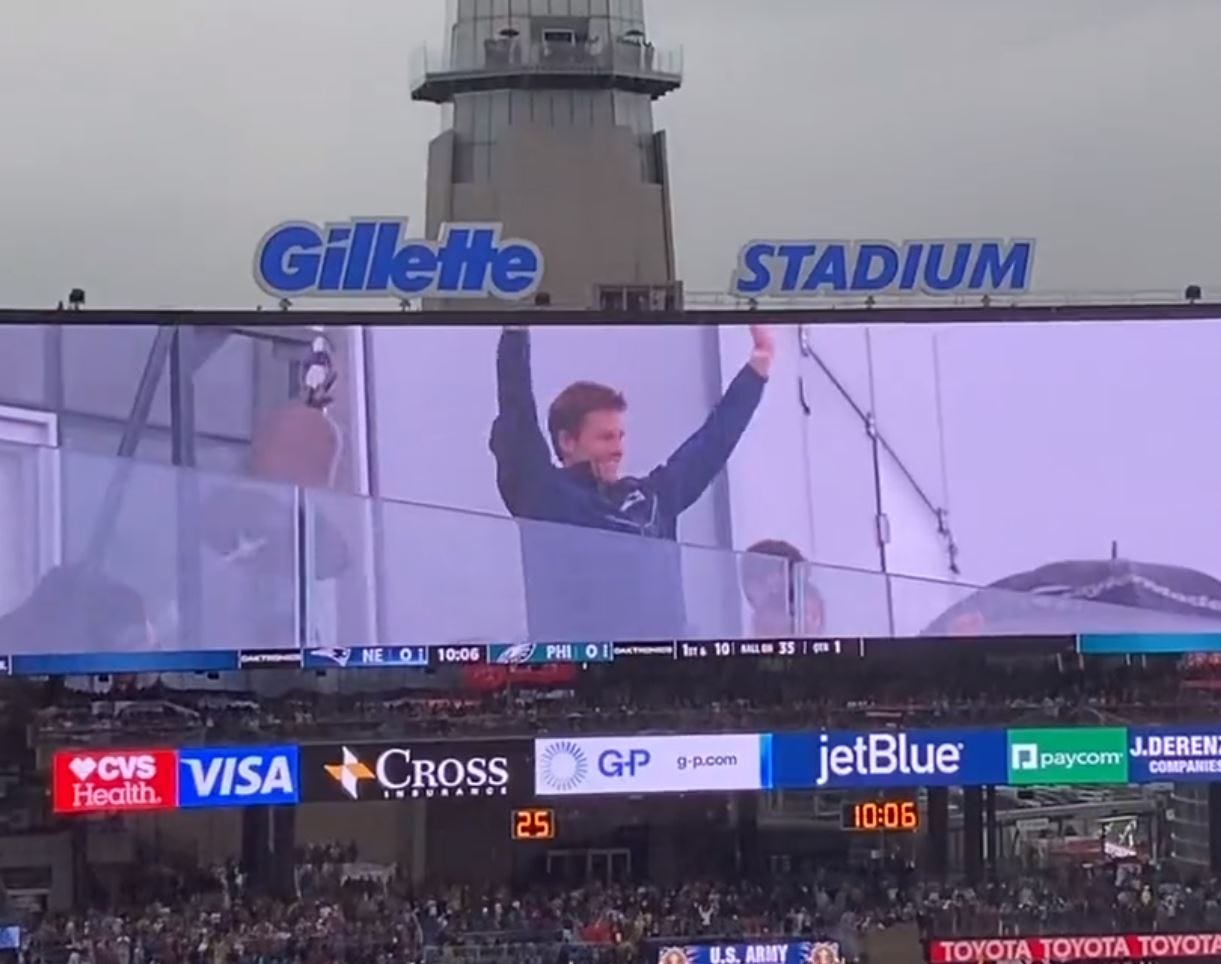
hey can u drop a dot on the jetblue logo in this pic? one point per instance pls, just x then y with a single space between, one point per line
368 257
617 763
885 755
780 268
238 777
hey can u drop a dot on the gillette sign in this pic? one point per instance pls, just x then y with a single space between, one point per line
806 268
124 781
904 758
374 258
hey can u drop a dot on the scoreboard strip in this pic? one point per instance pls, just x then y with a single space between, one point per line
474 653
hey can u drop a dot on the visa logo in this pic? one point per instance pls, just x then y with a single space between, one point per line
239 777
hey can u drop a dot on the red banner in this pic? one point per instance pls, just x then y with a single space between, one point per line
110 781
1095 947
492 677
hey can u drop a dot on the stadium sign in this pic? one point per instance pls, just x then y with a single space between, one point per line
1059 757
938 267
1189 754
411 770
649 764
755 952
852 759
370 258
238 777
1099 947
113 781
127 781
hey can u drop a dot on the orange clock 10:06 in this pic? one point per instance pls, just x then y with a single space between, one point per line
533 823
891 816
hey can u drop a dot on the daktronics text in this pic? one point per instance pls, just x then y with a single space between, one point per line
95 781
422 770
368 257
238 777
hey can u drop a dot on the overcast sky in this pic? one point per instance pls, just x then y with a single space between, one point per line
145 145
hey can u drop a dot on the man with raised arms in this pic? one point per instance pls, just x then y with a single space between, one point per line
584 581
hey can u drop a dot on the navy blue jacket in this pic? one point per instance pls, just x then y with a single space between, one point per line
607 586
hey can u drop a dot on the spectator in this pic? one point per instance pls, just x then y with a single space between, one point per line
775 590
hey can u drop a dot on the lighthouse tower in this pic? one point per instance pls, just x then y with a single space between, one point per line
549 115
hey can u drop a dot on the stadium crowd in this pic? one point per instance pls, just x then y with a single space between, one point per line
614 699
348 913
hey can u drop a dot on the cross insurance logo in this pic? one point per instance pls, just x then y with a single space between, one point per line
239 777
648 764
1068 756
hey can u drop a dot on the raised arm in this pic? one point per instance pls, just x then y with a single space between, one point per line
523 460
693 466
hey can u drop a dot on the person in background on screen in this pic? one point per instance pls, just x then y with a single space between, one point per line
586 428
77 608
771 589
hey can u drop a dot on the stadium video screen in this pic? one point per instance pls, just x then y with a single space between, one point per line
521 455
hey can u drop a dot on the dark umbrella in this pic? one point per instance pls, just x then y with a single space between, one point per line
1033 601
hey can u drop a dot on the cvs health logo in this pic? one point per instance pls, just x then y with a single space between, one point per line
94 781
242 776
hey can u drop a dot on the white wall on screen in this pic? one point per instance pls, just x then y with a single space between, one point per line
29 499
1056 439
1062 438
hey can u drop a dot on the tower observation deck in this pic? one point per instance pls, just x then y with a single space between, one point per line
549 130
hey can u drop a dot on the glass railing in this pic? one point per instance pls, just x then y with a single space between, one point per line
521 54
101 554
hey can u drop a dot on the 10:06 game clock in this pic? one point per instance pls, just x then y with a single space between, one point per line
533 823
889 815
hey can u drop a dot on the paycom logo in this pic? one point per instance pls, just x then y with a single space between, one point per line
1068 756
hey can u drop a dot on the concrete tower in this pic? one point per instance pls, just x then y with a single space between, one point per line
549 118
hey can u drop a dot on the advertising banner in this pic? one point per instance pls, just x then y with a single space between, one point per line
416 770
1101 947
124 781
756 952
375 257
779 268
238 777
1162 754
649 764
848 759
115 781
1068 756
